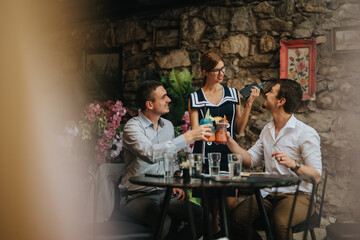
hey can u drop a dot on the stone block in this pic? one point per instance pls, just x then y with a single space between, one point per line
176 58
216 32
304 30
217 15
276 25
129 31
257 60
236 44
193 29
242 20
264 10
267 44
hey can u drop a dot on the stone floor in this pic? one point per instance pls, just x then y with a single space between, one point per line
320 234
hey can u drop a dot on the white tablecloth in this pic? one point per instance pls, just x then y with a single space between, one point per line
101 191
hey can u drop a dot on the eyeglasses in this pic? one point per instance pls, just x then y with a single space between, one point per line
217 70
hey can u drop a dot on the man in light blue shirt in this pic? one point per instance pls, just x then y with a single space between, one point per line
145 139
288 147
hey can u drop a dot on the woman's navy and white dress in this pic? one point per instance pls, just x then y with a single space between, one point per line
227 107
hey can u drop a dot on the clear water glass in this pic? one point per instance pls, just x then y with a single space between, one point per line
214 163
196 162
169 161
235 164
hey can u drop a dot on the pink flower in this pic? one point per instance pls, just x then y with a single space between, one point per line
291 58
297 52
300 66
184 127
109 134
186 118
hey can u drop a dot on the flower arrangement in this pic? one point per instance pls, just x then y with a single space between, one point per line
101 123
182 155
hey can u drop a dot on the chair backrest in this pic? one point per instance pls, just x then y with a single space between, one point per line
325 176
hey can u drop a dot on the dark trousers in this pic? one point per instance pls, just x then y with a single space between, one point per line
146 209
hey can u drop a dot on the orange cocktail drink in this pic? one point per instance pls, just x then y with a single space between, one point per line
221 132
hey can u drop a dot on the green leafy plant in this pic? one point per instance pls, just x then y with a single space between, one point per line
178 86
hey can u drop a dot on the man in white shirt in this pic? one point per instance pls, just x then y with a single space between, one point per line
145 139
288 146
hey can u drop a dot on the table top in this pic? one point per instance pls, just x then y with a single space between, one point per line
252 181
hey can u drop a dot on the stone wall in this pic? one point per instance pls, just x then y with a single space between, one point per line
247 35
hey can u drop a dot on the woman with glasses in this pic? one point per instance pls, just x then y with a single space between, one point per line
221 101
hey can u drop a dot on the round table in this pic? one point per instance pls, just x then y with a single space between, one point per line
250 184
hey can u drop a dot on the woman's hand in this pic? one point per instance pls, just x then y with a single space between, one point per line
255 92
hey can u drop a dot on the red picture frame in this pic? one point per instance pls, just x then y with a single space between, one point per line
298 62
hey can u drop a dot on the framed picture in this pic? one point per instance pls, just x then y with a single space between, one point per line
345 39
298 62
166 38
103 73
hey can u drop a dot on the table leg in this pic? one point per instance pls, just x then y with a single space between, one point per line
191 216
263 213
223 214
205 204
163 212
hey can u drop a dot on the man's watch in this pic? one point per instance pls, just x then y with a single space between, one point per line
298 165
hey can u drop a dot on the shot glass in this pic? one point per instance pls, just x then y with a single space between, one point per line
196 162
235 165
220 133
214 163
169 161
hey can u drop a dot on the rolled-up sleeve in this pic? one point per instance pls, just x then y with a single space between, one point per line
310 149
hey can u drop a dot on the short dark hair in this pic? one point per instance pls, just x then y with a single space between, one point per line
145 92
291 91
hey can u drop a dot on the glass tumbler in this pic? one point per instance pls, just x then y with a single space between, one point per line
214 163
235 164
220 133
196 162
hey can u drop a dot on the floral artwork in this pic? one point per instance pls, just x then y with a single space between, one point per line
298 62
298 66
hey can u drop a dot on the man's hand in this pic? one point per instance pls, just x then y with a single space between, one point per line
284 159
180 194
198 133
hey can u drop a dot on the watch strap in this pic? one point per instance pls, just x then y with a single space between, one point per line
298 165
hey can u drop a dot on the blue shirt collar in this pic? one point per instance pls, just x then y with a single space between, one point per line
147 123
